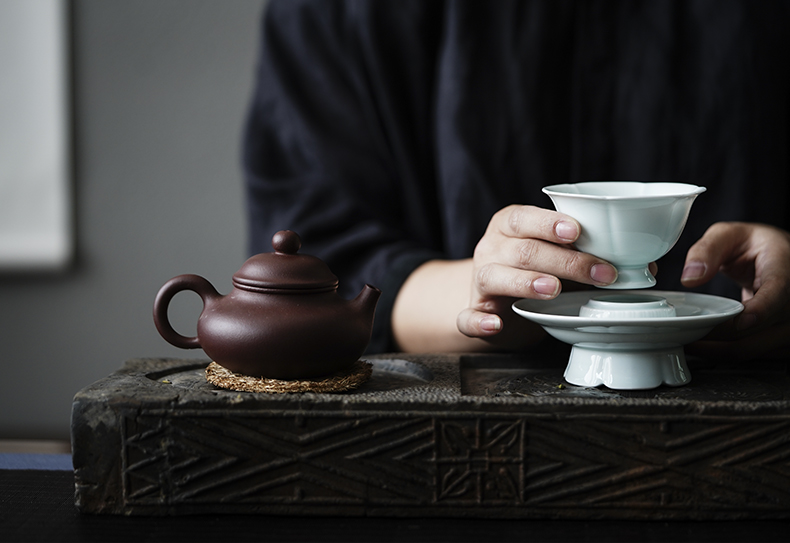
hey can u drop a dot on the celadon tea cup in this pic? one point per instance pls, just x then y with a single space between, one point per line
628 223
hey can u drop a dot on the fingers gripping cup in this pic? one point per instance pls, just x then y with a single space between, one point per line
627 223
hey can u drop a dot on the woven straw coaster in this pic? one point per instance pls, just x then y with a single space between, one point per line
349 379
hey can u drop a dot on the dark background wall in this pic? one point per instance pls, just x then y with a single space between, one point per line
160 89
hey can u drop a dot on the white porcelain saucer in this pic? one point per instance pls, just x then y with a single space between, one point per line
624 351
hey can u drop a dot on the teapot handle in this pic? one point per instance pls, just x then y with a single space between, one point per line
196 283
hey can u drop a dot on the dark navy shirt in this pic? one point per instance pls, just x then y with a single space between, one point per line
388 133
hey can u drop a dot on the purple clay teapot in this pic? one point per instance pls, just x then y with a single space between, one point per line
282 320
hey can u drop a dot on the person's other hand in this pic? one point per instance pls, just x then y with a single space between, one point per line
525 253
757 257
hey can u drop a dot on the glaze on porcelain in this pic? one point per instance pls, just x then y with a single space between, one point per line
627 306
627 223
624 351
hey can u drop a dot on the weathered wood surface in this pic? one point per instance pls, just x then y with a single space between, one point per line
437 435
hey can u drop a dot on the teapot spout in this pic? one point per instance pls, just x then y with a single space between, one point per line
365 302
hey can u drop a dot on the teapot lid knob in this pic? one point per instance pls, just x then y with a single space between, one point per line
286 242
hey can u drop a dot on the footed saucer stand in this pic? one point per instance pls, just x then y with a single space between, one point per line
629 340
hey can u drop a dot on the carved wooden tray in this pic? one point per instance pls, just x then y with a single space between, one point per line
437 435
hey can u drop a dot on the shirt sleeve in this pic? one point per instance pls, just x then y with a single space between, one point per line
337 144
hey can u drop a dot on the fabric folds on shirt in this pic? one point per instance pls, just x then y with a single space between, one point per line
388 133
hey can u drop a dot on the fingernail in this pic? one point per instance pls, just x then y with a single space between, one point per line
546 286
491 323
693 270
746 322
603 274
566 231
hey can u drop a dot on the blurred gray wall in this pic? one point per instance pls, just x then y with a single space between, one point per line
160 92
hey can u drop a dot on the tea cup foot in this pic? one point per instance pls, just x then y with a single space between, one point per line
631 278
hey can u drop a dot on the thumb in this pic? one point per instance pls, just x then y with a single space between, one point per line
473 323
716 247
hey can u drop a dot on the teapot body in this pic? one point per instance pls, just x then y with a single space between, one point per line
283 336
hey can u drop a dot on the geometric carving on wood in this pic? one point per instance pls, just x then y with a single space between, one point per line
480 461
446 459
700 463
333 459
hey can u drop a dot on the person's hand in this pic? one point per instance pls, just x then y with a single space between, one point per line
524 253
757 257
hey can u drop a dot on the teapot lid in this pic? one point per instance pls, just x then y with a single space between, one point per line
284 269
